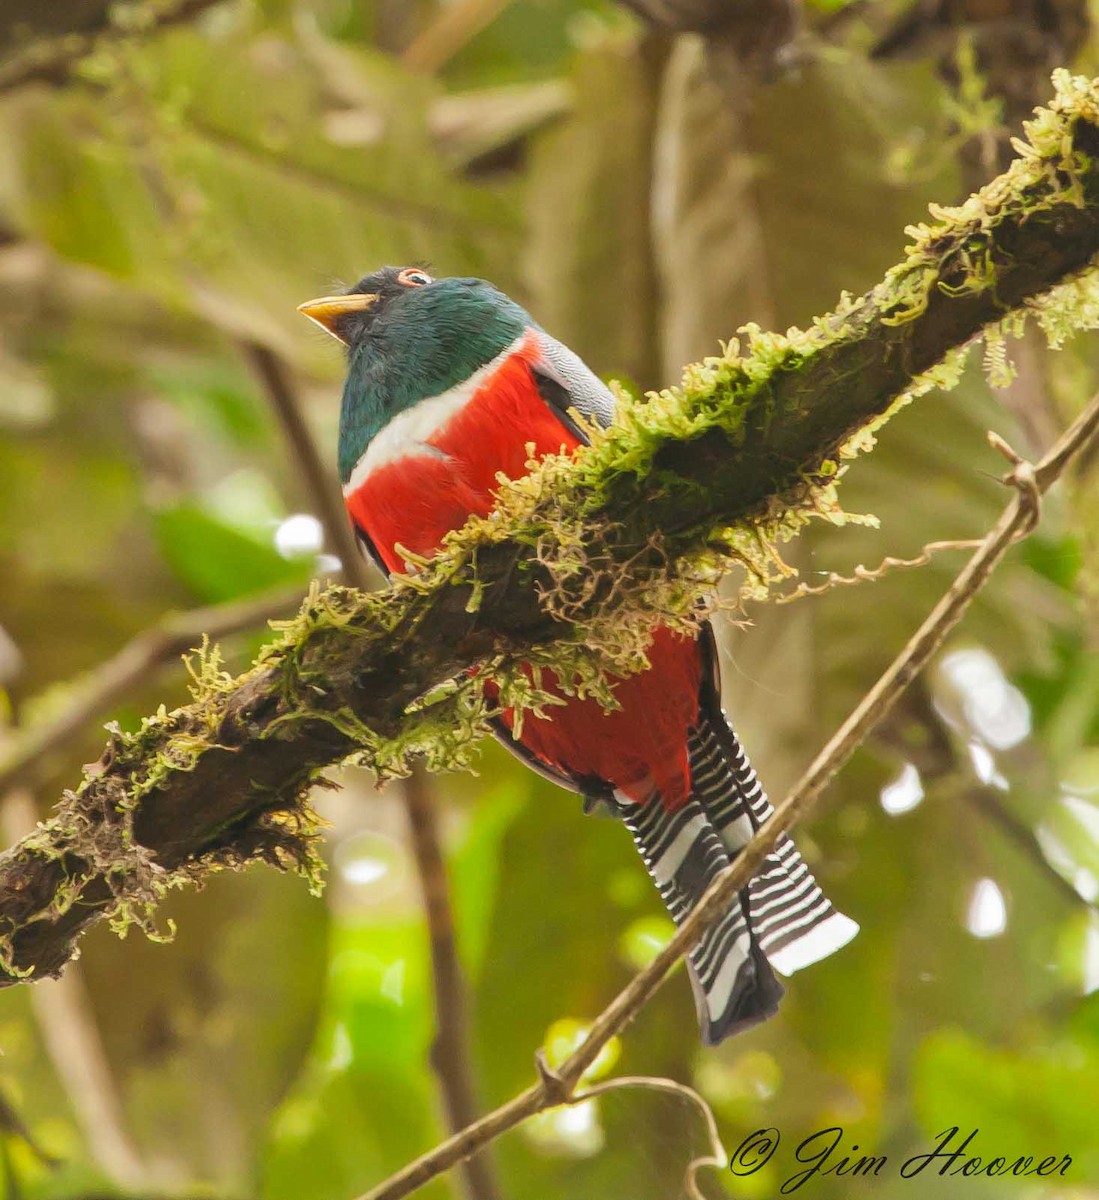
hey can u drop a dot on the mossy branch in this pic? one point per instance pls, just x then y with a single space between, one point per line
572 570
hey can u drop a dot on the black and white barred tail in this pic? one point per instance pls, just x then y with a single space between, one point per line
780 921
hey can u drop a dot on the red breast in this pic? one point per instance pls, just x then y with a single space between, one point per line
431 486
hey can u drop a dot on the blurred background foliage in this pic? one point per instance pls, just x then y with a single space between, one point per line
166 200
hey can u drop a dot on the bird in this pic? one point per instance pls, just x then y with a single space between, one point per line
450 383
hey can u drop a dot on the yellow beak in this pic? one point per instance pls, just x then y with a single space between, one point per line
326 311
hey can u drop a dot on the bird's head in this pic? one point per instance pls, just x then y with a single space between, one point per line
410 337
384 310
350 316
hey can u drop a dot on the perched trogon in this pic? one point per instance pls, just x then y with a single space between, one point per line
449 384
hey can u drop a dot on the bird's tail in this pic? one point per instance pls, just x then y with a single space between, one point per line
781 920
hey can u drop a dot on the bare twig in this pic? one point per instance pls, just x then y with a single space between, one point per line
1017 520
937 755
318 481
985 801
25 758
12 1125
862 574
654 1083
53 60
453 29
450 1056
450 1053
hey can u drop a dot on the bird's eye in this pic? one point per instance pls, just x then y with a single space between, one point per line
411 277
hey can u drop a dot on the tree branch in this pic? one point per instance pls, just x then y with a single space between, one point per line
580 557
1017 520
25 756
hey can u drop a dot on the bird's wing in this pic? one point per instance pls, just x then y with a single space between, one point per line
565 382
367 548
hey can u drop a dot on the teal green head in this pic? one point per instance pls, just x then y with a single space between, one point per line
410 337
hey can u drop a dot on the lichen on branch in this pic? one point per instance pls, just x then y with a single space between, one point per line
571 570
